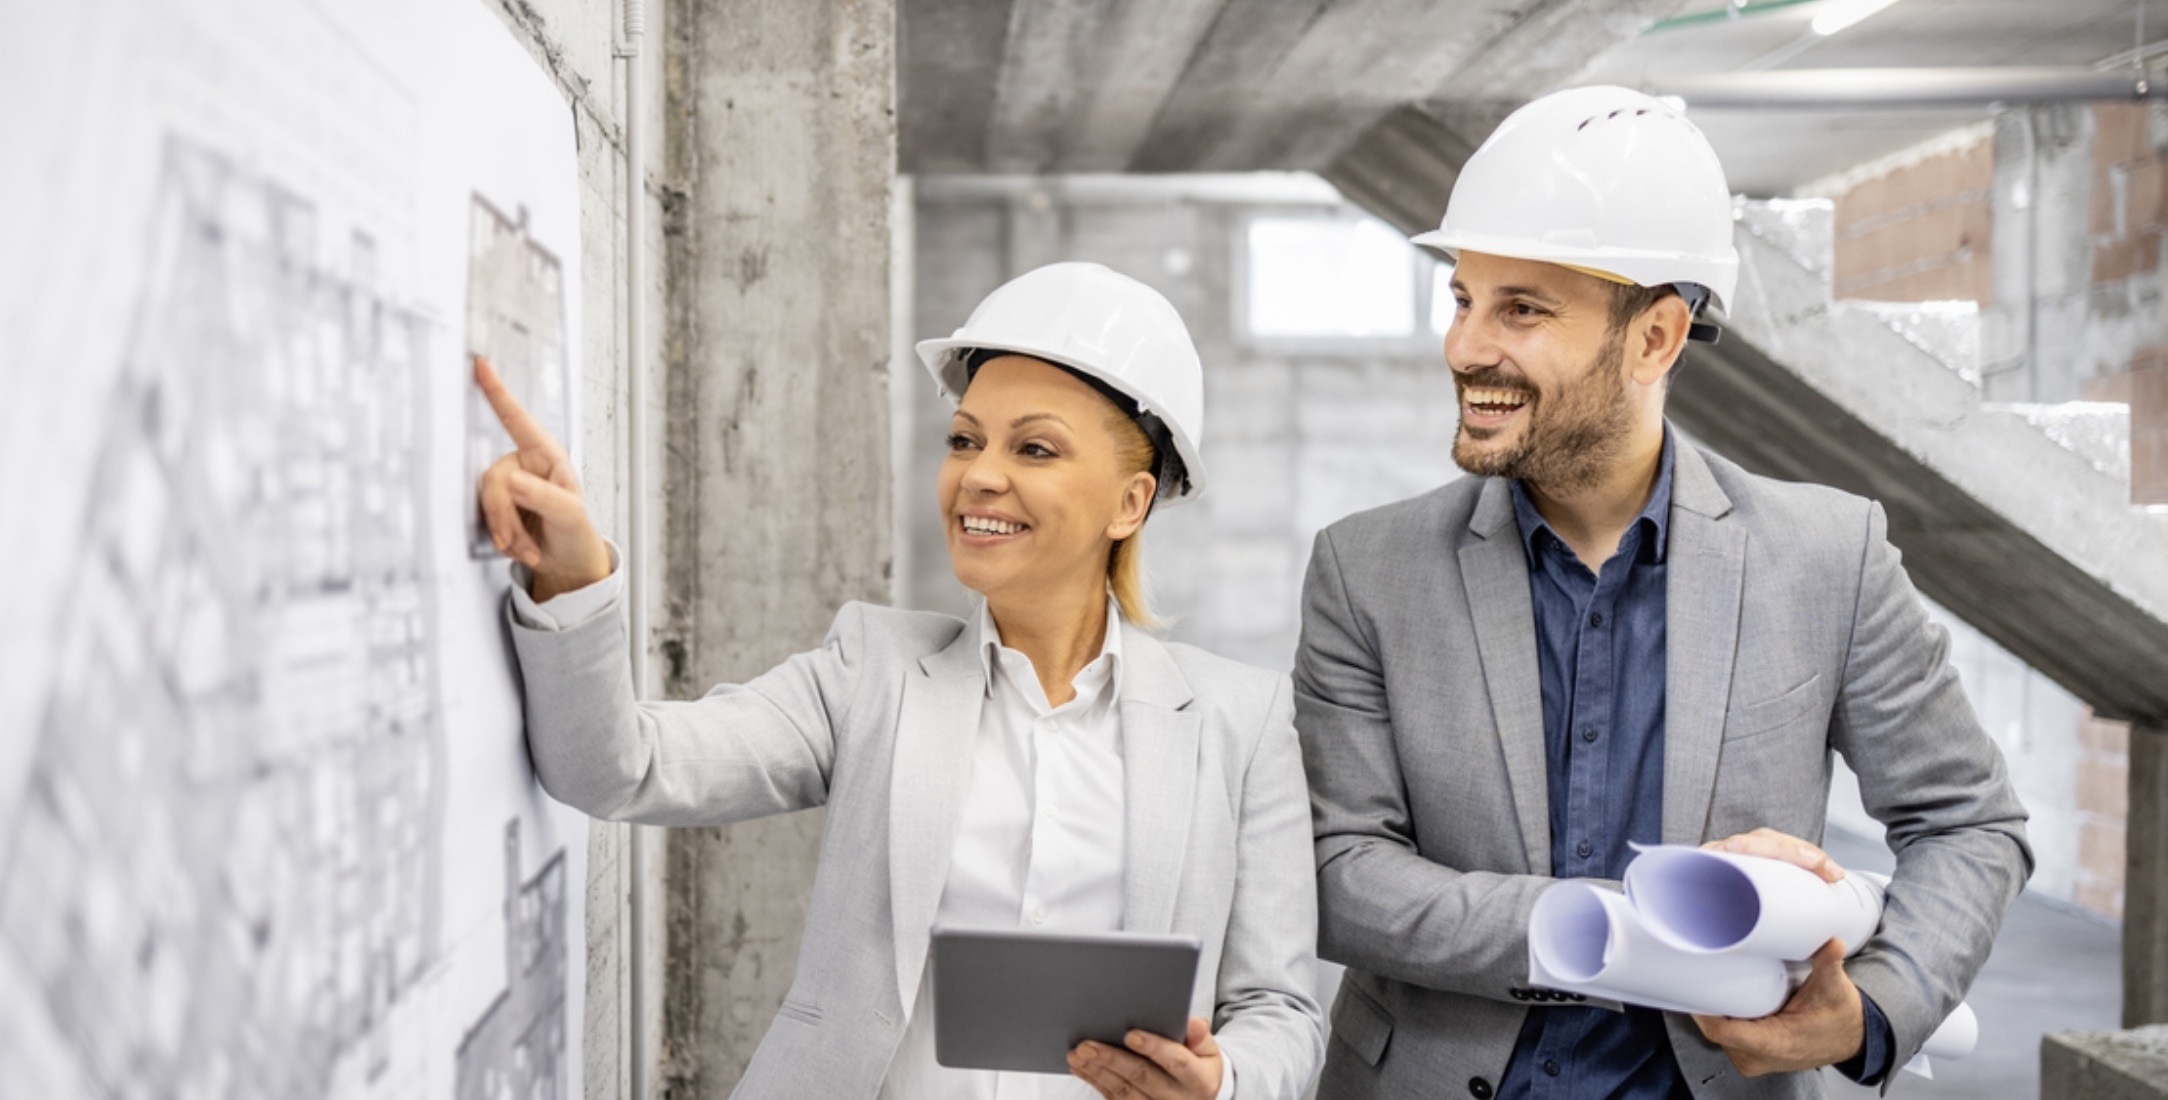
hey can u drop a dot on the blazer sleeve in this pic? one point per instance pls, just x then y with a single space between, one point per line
1384 907
1929 773
743 751
1268 1024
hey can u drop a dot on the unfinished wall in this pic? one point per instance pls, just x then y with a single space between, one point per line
1917 227
2129 215
782 150
2079 310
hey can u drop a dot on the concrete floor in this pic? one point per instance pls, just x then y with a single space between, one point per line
2054 968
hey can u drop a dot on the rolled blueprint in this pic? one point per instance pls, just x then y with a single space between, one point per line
1585 938
1699 900
1710 933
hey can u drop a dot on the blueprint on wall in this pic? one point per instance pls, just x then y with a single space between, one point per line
267 826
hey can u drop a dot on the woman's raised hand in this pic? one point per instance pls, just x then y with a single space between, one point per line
532 504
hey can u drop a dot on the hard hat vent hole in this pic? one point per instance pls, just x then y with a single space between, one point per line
1585 122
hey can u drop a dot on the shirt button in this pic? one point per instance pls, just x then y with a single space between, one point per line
1595 618
1479 1088
1583 849
1550 1069
1588 733
1038 914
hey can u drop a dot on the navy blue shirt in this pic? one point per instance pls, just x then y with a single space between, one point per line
1600 656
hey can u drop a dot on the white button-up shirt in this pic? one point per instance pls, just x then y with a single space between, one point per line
1040 840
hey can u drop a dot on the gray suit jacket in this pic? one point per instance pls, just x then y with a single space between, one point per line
1793 631
878 726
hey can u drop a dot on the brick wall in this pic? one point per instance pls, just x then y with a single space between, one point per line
2129 218
2130 204
1918 229
2103 808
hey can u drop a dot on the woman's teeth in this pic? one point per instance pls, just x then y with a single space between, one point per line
979 525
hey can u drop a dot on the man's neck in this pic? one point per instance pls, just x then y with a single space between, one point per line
1593 517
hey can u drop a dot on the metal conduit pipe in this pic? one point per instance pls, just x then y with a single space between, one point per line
1809 89
636 487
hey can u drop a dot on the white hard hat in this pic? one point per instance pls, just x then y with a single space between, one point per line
1603 179
1109 328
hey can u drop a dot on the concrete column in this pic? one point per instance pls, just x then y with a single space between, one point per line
783 134
2145 882
2105 1065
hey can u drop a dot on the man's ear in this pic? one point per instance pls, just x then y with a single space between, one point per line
1136 504
1654 340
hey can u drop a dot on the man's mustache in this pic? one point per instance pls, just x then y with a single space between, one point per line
1492 378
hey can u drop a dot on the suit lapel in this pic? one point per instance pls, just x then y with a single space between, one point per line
1706 571
938 723
1159 780
1494 566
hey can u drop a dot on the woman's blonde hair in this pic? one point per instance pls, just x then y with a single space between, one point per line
1134 452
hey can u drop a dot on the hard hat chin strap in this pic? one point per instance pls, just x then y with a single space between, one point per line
1697 299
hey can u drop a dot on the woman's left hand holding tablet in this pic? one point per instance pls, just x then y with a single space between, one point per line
532 504
1153 1067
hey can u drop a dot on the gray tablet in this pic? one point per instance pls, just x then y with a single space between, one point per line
1014 1000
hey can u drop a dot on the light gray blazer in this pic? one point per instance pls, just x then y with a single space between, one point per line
878 725
1792 632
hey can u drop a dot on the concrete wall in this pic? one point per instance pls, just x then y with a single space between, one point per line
1295 437
782 157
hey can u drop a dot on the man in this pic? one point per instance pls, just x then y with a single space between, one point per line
1610 637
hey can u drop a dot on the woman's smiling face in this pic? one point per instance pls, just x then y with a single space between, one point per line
1033 495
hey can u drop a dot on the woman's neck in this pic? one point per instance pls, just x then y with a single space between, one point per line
1060 631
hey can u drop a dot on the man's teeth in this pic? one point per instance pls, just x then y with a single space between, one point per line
979 525
1497 399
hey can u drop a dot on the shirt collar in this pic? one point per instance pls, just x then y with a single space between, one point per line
1656 513
1104 669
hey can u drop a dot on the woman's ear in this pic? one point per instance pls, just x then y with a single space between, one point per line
1136 503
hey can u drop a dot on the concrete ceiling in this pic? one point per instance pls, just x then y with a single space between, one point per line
1035 86
1773 152
1215 85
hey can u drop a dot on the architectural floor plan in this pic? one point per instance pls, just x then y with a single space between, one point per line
267 827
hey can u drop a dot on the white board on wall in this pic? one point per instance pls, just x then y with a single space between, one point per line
267 822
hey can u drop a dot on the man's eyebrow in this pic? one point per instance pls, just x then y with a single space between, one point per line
1531 292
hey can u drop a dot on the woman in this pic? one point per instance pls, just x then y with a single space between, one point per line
1045 764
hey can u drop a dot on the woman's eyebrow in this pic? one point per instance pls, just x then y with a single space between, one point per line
1029 417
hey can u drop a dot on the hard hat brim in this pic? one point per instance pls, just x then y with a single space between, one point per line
1642 267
